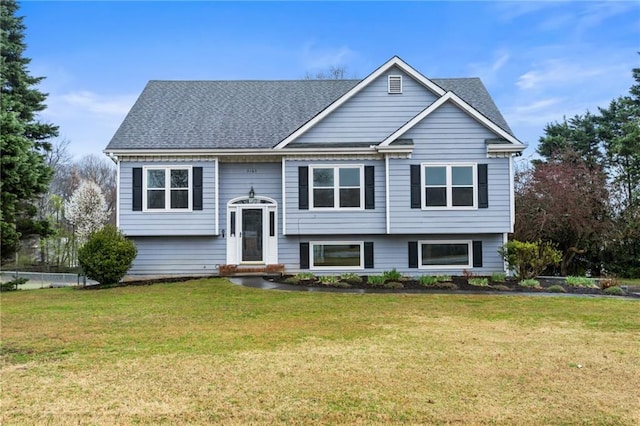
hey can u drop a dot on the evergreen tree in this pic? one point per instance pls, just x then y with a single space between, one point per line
578 134
23 140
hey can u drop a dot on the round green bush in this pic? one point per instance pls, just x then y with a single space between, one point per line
614 291
107 255
556 288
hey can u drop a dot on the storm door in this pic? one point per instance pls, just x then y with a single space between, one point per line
251 235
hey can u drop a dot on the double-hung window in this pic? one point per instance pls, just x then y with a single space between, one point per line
167 188
449 186
337 187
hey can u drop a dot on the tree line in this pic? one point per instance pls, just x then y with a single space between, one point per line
582 195
584 192
44 193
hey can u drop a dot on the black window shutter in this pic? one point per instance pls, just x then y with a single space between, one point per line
368 255
413 254
416 188
303 188
483 187
304 255
197 188
137 189
369 187
477 254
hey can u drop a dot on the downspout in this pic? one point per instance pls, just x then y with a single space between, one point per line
217 198
512 196
284 197
115 159
386 192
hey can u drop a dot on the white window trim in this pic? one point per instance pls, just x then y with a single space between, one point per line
336 187
167 188
335 243
392 77
468 242
448 166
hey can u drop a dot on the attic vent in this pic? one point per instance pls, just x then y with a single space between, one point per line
395 84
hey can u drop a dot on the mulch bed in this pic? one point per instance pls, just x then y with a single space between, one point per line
457 283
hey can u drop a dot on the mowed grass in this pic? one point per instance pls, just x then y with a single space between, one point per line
207 351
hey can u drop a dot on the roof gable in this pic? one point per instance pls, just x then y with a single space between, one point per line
393 62
455 99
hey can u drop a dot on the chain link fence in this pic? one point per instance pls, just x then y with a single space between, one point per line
46 279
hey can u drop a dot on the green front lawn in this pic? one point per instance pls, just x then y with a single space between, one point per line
208 351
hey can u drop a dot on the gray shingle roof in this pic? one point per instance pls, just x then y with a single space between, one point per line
247 114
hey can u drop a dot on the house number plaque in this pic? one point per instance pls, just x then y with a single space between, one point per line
252 171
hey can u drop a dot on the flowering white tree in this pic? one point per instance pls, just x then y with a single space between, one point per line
87 209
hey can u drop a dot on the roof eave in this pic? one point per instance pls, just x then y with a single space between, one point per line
508 148
238 151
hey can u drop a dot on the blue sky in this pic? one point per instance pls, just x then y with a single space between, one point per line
540 60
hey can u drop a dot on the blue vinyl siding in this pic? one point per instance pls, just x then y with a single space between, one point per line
178 255
372 114
236 179
335 222
447 136
392 252
139 223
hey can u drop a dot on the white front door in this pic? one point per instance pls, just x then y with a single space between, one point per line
252 231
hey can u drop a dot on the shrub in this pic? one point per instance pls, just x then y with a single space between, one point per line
351 278
107 255
13 284
579 281
614 291
302 276
531 283
498 277
443 278
556 288
375 280
428 280
529 259
605 283
328 279
292 280
446 286
480 282
501 287
392 275
394 285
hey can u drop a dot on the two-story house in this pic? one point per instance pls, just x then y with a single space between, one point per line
393 171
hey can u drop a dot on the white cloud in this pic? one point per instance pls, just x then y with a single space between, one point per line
488 71
89 103
87 119
594 13
561 72
321 58
500 61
